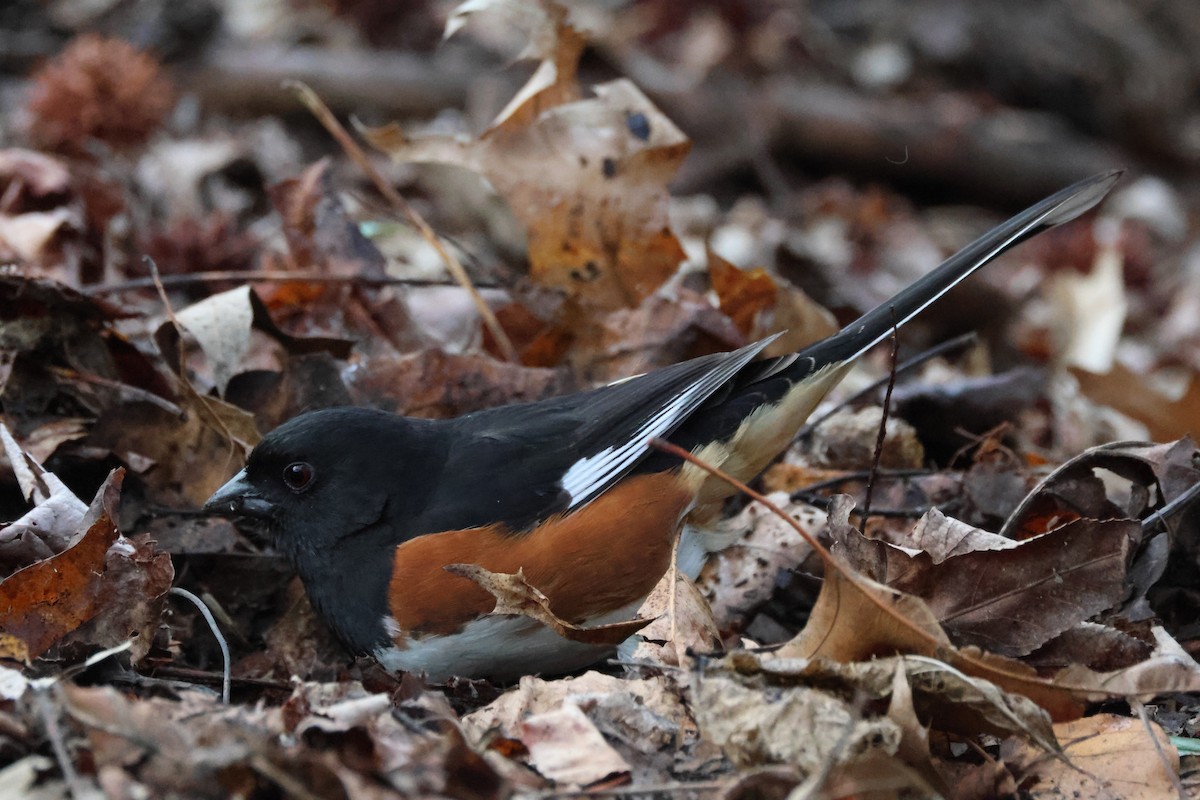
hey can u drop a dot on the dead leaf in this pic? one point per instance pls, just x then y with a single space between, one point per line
681 621
1074 489
1121 388
586 177
745 295
1107 757
847 440
433 383
565 747
1090 311
1015 600
551 40
43 602
320 235
515 596
855 619
55 518
790 724
944 697
137 577
741 577
223 324
914 736
942 537
761 304
1168 669
644 713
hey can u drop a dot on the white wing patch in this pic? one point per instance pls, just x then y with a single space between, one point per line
591 475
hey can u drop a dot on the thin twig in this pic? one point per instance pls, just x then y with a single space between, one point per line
880 437
76 785
948 346
821 502
131 392
1168 768
326 117
212 624
205 414
675 450
198 675
862 475
261 276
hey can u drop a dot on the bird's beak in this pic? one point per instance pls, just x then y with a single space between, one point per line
238 498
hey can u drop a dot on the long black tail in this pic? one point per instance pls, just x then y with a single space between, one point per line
787 388
876 325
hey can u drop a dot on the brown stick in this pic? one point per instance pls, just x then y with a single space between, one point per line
457 271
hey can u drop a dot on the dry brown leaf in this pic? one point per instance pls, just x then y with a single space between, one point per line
745 295
551 40
320 234
660 331
646 712
1107 757
914 736
875 776
565 747
1168 669
761 305
1013 601
1091 645
847 441
1121 388
55 518
942 537
586 177
789 724
945 697
45 601
855 619
681 620
1074 489
515 596
136 580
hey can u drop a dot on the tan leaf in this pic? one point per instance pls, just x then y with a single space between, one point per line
565 747
1165 418
681 620
856 618
648 712
1107 757
790 724
585 177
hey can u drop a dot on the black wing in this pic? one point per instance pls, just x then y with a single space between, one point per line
533 460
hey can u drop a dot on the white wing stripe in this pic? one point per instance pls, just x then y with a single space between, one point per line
589 476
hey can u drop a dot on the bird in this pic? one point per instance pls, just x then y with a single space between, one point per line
371 507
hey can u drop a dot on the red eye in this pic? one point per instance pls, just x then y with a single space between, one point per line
298 475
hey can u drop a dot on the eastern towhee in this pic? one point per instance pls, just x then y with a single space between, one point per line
370 506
